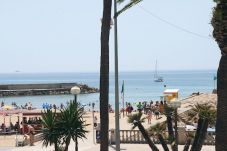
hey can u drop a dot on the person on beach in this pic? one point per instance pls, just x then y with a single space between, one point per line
130 109
156 113
149 116
95 121
161 107
31 135
139 107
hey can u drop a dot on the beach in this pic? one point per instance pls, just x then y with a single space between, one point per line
8 142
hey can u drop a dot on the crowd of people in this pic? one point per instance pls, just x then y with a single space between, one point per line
147 108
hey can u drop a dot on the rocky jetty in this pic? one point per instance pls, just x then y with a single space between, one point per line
43 89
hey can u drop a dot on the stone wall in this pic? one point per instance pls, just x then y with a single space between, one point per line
43 89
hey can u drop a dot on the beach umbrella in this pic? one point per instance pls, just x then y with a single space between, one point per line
7 107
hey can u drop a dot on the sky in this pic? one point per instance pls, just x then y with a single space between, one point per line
64 36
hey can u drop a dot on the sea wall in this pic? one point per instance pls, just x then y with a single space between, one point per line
42 89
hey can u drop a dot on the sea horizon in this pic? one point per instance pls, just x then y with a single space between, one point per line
139 86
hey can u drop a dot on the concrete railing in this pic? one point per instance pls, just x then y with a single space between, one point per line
135 137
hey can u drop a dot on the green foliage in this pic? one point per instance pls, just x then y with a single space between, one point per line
50 131
60 128
71 123
127 6
203 111
159 128
135 118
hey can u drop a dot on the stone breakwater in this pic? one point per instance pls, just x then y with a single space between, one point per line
43 89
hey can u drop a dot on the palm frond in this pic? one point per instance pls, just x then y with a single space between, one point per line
126 7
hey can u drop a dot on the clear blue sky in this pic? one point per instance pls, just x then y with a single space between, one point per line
64 36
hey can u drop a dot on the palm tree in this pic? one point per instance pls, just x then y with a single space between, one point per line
190 137
104 75
127 6
168 112
136 120
219 23
157 130
206 114
71 125
50 132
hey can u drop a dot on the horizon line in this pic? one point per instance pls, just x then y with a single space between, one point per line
161 70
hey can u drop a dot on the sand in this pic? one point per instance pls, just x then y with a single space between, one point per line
7 143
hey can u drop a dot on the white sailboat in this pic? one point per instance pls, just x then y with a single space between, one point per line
156 77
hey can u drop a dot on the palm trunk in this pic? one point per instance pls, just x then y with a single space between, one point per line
146 137
202 135
221 122
67 143
195 142
170 131
56 146
76 144
104 75
162 141
219 23
170 127
187 145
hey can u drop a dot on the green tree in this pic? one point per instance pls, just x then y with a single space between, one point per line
219 23
206 115
190 137
50 132
157 131
104 75
71 125
168 112
130 4
136 120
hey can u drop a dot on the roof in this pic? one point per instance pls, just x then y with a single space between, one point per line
171 91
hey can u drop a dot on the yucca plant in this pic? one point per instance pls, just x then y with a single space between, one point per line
157 131
136 120
206 115
190 137
168 112
71 124
51 134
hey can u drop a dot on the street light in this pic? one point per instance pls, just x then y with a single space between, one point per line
117 122
175 104
75 91
93 117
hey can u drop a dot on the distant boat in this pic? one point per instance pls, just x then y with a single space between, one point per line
156 77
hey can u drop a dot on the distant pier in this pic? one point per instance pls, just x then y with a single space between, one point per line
42 89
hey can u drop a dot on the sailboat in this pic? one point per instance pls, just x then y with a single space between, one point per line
156 77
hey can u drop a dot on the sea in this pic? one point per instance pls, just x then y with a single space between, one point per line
138 86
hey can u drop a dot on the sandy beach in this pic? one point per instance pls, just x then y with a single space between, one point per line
7 142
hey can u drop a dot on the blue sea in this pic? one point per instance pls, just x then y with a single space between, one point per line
138 86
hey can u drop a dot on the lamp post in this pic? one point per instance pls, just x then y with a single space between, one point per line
117 123
175 104
75 91
93 117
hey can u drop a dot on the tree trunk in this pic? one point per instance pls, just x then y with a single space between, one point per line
147 138
187 145
221 123
67 143
219 23
104 75
76 144
170 127
199 128
170 130
162 141
202 135
55 146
